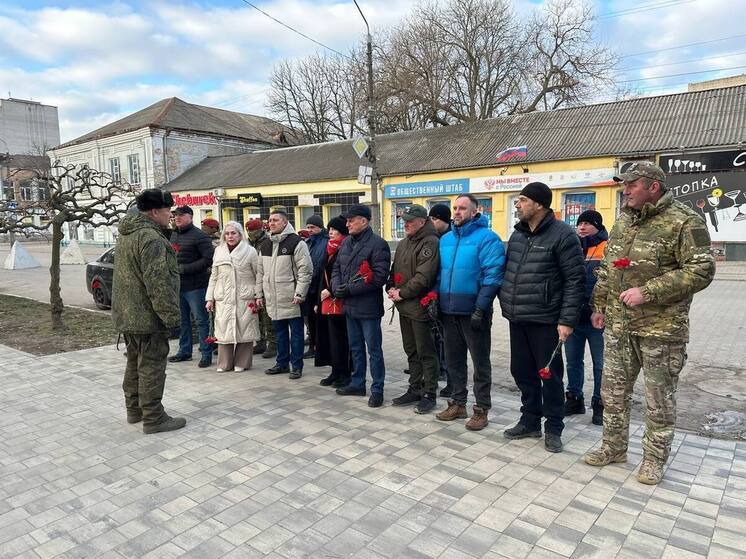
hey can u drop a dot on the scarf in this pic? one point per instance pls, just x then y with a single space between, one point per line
333 245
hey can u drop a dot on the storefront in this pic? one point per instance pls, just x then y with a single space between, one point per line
576 188
203 203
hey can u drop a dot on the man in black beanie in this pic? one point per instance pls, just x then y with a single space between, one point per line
145 305
440 215
541 297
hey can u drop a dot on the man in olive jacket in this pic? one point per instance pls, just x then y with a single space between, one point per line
413 275
145 306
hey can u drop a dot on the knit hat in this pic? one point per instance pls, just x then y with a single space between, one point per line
254 224
154 199
338 224
539 193
211 223
316 220
592 217
441 211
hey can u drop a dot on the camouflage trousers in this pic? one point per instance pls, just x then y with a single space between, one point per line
266 329
661 363
145 375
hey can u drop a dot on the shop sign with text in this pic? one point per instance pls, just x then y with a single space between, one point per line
208 199
586 178
427 189
250 199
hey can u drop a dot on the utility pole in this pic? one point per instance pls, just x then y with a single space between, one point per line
376 223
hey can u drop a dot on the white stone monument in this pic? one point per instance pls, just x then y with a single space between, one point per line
20 258
72 254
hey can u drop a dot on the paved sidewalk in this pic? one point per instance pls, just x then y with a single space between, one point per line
269 467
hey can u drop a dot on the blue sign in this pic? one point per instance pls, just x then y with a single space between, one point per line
426 189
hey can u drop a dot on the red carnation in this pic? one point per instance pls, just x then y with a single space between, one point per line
210 339
252 307
176 247
427 299
397 278
365 272
545 373
622 263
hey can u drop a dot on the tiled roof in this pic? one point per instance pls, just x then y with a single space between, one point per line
640 126
176 114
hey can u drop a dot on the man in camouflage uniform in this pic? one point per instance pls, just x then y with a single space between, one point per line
145 305
267 346
657 257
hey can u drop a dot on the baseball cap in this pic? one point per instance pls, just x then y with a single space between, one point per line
358 210
642 169
413 212
181 210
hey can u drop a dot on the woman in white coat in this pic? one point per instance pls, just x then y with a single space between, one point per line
230 294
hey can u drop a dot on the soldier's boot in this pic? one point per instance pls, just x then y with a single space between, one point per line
604 456
651 471
452 412
134 416
166 424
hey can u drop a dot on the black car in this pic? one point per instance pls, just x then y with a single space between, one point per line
99 276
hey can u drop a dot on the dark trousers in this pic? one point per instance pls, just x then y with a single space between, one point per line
289 337
531 345
193 303
362 333
460 339
266 329
422 354
575 354
145 375
310 315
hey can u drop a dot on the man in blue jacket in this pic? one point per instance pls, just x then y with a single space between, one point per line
472 257
363 301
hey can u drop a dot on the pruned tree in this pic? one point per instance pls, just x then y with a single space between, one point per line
64 194
449 62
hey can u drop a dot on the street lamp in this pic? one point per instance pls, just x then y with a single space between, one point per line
372 130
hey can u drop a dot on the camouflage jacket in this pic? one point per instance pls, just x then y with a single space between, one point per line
668 248
145 295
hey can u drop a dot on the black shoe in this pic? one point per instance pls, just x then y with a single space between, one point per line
520 431
426 404
260 347
328 381
295 374
574 405
205 362
277 370
179 358
375 400
598 412
341 382
350 390
446 392
134 417
310 354
552 442
168 424
408 398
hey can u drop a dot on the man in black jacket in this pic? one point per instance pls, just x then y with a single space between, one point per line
194 255
541 296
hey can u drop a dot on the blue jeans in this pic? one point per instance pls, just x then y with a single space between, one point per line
575 352
289 334
193 303
362 333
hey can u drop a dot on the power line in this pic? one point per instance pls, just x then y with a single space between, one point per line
645 8
293 29
683 61
682 46
683 74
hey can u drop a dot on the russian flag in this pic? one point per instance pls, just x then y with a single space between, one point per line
516 152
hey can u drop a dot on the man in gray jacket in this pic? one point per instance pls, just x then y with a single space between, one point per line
282 280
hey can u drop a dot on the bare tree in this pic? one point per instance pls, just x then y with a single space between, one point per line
64 194
450 62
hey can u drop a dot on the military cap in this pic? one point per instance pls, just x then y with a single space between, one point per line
642 169
413 212
154 199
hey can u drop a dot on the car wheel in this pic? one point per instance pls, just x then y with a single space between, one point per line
100 297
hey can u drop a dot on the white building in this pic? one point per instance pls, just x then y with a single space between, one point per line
156 144
27 127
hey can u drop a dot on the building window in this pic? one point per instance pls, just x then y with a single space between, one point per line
484 207
431 203
397 224
512 213
619 202
116 173
576 204
305 213
133 162
27 191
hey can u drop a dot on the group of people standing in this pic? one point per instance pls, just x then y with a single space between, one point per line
628 292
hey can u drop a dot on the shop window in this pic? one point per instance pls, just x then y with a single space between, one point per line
576 204
234 214
397 224
619 202
305 213
512 213
431 203
484 207
333 210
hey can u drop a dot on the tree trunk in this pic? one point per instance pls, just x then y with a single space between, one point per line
55 298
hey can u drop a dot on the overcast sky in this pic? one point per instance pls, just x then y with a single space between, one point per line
98 61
